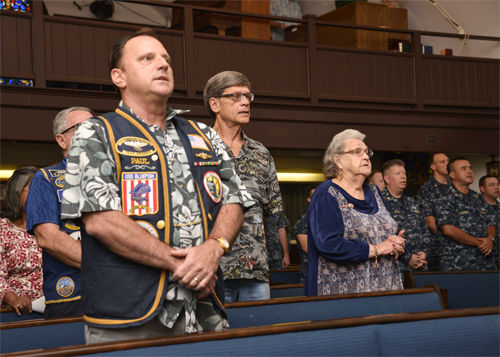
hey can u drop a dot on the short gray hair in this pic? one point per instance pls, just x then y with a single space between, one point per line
58 125
337 145
217 84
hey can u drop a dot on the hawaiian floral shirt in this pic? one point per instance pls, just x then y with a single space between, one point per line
20 262
91 186
247 258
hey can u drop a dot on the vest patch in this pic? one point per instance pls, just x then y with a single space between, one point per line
213 186
56 173
59 182
140 193
65 286
134 146
149 227
197 142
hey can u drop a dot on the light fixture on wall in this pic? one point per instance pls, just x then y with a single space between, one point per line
451 20
102 9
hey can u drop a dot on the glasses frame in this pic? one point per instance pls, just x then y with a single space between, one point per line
366 151
71 127
250 96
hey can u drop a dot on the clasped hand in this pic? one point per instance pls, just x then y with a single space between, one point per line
198 267
485 246
394 245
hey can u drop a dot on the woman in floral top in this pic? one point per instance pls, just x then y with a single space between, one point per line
21 277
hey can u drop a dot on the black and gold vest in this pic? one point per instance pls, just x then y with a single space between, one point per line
118 291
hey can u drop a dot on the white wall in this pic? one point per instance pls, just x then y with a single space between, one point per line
476 17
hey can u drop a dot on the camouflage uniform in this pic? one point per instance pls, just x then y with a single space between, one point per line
247 258
469 213
406 211
428 194
495 214
91 186
274 249
301 228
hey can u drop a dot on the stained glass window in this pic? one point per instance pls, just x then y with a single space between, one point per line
16 5
18 82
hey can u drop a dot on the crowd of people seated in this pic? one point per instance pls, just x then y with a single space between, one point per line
159 211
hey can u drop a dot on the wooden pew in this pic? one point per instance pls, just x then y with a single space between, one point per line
471 332
287 290
293 309
7 315
285 276
70 331
464 288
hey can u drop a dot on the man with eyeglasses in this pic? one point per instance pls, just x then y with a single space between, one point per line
407 213
160 203
60 241
227 97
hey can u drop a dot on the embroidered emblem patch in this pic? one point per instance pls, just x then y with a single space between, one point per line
140 193
213 186
133 146
56 173
60 181
203 156
65 286
197 142
149 227
59 194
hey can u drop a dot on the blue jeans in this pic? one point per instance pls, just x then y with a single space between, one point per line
246 290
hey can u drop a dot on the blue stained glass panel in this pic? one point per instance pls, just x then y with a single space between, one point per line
16 5
18 82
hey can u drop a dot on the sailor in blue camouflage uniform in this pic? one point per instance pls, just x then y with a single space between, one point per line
160 204
277 229
300 230
428 195
488 185
467 226
407 213
60 241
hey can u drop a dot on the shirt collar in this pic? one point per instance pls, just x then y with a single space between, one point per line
171 112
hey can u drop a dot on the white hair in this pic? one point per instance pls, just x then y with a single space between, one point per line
337 145
59 123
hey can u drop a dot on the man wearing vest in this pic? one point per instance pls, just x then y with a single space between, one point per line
159 204
59 240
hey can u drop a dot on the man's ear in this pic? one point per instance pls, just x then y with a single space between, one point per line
118 78
214 105
433 167
481 188
61 141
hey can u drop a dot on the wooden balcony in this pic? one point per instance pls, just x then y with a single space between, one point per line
305 91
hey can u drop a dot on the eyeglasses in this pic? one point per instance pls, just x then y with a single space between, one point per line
359 152
71 127
236 97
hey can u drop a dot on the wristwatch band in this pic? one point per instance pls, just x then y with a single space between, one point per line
223 243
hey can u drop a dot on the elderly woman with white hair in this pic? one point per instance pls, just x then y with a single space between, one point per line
352 240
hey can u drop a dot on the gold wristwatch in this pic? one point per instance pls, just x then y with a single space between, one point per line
223 243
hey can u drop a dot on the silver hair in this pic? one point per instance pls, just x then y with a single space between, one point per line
59 123
215 86
337 146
